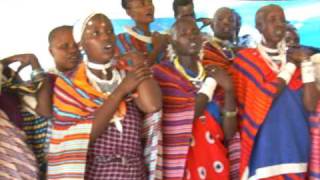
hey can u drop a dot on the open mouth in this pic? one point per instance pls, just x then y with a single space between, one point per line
226 30
279 32
150 14
108 47
193 44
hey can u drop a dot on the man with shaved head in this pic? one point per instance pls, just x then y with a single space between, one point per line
273 106
220 50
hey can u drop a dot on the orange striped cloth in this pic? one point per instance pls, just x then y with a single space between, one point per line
74 100
256 87
212 55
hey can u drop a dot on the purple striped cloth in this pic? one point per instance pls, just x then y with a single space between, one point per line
16 159
314 163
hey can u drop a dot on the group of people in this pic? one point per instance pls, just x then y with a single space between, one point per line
175 106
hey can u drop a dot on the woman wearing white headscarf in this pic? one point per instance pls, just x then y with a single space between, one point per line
98 126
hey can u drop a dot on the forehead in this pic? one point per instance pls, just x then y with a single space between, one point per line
61 34
138 1
291 32
185 25
273 11
98 21
187 7
224 12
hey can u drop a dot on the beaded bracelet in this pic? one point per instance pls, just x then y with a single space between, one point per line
37 74
230 114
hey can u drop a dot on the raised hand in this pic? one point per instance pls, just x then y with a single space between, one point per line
130 60
134 78
160 41
298 54
24 59
205 22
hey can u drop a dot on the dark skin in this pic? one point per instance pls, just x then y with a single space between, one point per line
142 12
292 38
310 94
64 50
186 41
273 28
98 40
224 24
43 107
66 55
186 11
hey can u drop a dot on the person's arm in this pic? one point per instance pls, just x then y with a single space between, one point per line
160 43
311 96
295 56
229 111
201 102
217 76
149 98
310 92
43 96
106 112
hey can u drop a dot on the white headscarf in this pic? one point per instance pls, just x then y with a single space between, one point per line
80 25
78 30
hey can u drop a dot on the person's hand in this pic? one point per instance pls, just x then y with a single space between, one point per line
298 54
160 41
24 59
131 60
205 22
134 78
221 76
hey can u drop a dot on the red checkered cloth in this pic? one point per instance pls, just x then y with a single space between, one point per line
116 156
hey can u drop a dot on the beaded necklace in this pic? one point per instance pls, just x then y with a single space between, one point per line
194 80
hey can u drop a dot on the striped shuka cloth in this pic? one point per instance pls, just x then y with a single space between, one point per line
213 55
74 102
36 129
177 126
314 166
16 159
255 85
127 42
178 112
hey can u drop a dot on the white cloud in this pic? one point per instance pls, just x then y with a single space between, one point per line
304 12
